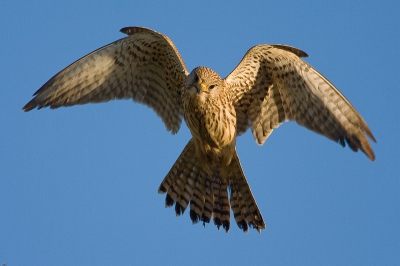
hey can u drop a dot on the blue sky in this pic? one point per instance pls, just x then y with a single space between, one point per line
79 185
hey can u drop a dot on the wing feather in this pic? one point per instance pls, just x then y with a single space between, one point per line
145 66
272 84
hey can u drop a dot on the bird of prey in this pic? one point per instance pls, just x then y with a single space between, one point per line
271 85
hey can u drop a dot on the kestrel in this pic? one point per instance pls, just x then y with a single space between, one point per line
271 85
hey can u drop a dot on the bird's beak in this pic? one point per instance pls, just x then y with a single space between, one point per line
200 87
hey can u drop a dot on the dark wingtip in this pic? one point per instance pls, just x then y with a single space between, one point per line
162 189
133 30
291 49
29 106
194 217
179 210
169 201
128 30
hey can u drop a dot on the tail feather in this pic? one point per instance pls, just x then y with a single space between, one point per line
208 203
216 208
221 210
244 206
176 188
184 198
187 183
177 184
239 209
197 203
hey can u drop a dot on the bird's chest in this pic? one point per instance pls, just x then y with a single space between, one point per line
213 122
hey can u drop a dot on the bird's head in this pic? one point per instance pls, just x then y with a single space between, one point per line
203 81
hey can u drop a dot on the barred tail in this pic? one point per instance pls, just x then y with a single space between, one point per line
243 204
187 183
179 187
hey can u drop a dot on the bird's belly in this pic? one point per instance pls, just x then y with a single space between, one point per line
214 134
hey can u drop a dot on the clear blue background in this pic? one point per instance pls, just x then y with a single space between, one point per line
78 185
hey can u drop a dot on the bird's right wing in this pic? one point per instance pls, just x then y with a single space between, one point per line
144 66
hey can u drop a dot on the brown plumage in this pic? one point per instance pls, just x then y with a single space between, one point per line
271 84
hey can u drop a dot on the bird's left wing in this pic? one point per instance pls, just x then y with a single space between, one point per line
272 84
144 66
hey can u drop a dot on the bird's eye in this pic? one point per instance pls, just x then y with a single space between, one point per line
196 78
211 87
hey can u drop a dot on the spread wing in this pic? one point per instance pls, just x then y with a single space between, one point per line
145 66
272 84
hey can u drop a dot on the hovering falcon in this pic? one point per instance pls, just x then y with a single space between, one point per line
271 85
